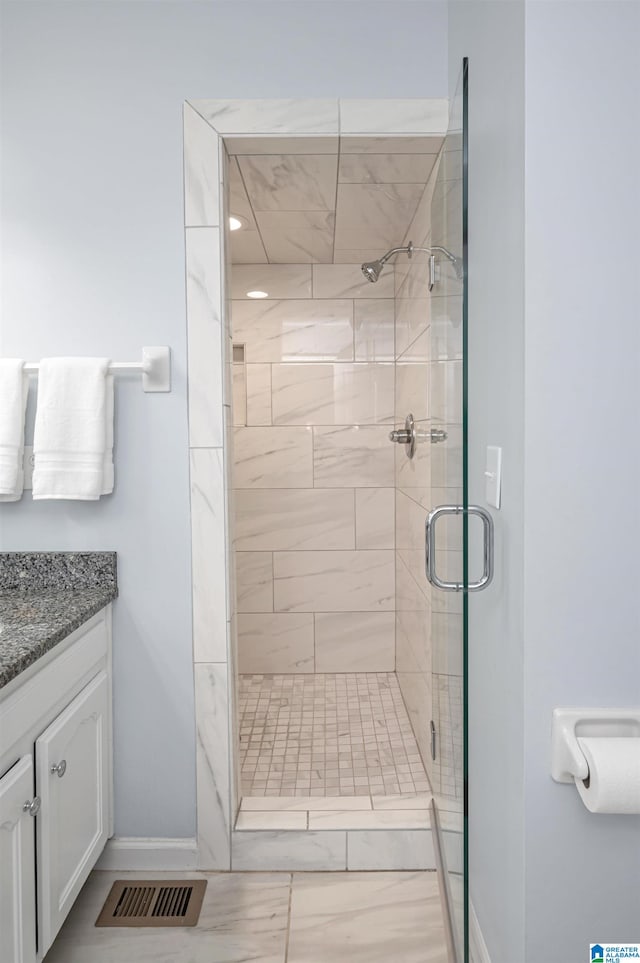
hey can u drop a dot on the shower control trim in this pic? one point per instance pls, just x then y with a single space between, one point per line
406 436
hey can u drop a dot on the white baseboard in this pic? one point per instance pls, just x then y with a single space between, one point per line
478 951
139 853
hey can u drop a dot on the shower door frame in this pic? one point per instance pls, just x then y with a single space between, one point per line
207 124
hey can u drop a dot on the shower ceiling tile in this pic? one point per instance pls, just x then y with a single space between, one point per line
247 248
282 145
374 214
398 144
292 237
292 182
385 168
238 200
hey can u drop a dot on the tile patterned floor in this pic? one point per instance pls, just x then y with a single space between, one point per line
374 917
327 735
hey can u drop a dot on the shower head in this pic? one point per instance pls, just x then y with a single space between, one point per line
372 269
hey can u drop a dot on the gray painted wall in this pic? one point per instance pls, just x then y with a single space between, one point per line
93 263
553 92
582 521
491 34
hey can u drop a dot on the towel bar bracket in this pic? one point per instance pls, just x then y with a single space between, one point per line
156 371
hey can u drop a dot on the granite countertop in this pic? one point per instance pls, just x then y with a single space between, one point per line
44 597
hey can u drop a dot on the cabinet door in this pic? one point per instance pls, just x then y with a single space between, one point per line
17 866
72 779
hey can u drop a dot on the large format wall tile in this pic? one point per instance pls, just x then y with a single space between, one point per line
293 330
254 579
355 642
276 280
274 458
258 379
275 643
375 518
412 380
332 394
347 281
389 116
333 581
212 749
361 456
413 316
208 554
201 207
239 394
318 116
290 519
205 337
374 329
290 182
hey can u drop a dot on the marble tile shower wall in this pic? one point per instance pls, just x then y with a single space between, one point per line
313 469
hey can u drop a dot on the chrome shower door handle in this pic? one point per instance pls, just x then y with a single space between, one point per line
430 548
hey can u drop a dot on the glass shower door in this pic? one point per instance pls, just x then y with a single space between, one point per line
446 530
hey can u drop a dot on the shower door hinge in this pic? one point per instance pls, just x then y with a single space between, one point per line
432 729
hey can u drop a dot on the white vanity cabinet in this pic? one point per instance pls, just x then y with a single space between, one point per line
17 865
56 787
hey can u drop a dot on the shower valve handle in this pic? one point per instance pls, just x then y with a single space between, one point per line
401 435
405 436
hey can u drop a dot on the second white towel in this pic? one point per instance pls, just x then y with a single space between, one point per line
73 436
13 403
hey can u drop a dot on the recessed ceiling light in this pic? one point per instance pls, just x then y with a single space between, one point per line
257 294
235 223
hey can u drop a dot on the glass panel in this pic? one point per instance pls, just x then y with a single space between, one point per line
447 395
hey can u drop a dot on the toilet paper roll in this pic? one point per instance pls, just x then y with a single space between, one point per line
613 785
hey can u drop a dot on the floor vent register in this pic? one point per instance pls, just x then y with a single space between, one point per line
153 902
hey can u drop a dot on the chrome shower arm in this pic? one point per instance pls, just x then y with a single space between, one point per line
408 249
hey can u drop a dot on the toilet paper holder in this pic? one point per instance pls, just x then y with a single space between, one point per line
567 759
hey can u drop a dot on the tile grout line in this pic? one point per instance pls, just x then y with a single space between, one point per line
286 947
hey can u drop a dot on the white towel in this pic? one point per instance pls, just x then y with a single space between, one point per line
13 404
73 437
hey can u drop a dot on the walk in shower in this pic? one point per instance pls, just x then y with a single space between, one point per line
347 306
